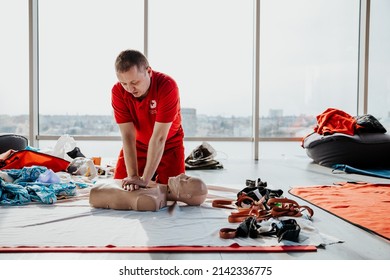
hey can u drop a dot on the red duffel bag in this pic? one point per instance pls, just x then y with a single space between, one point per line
27 158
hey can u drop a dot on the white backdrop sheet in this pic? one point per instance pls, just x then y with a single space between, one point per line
72 222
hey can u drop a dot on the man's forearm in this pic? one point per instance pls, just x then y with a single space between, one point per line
130 156
129 148
155 152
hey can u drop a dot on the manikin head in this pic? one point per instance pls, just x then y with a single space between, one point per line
190 190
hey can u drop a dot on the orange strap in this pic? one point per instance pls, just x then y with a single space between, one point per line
256 211
287 207
224 203
227 233
279 207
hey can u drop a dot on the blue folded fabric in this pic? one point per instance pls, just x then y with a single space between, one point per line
383 173
27 187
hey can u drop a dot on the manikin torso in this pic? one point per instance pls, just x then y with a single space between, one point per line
183 188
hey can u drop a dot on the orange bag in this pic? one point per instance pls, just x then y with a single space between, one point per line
27 158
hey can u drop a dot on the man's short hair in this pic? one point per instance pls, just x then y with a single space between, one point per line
130 58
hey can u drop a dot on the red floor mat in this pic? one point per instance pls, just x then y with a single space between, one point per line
234 248
363 204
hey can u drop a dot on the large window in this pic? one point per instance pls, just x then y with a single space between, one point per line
308 62
14 66
78 44
207 46
379 64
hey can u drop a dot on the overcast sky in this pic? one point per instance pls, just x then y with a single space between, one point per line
308 53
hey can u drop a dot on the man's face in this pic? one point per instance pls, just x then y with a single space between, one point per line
136 82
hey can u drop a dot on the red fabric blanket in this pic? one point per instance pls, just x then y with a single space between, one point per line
335 120
364 204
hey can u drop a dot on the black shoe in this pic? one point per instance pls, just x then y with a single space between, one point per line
287 229
249 227
257 190
75 153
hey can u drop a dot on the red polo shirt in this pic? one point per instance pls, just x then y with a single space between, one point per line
161 104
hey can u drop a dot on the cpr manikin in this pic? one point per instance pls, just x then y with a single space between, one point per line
182 188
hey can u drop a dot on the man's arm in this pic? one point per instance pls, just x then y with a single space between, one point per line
155 152
155 149
128 133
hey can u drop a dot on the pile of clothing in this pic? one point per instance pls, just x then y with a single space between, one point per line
203 157
34 184
337 121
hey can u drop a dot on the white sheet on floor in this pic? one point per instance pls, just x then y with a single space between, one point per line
73 222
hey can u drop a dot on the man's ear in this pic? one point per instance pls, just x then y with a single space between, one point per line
149 71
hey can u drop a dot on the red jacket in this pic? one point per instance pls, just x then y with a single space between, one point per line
334 120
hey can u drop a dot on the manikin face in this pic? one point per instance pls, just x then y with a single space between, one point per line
136 82
190 190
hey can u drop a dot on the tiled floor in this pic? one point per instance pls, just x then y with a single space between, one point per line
282 165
